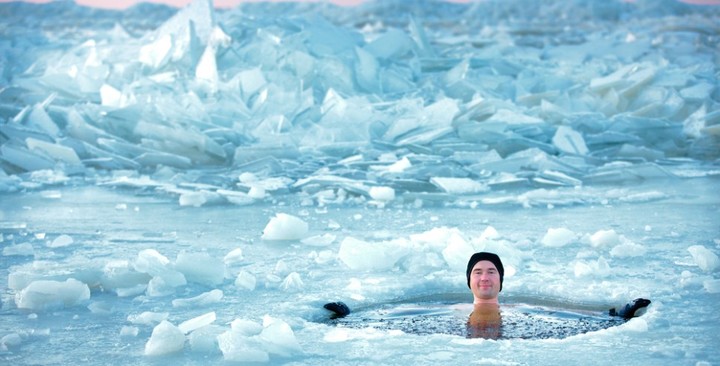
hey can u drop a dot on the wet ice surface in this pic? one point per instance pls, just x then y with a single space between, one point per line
192 187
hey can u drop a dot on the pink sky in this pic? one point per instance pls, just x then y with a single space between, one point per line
122 4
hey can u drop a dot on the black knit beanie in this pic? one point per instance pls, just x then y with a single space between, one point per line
485 256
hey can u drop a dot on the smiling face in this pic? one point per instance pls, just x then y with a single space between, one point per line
485 282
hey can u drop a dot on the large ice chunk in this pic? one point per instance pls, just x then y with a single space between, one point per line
57 152
699 92
251 81
362 255
112 97
119 275
165 284
569 141
61 241
705 258
612 80
248 341
204 299
22 249
324 38
46 294
201 268
595 269
391 44
382 193
628 249
558 237
240 343
604 238
285 227
459 185
197 322
293 282
206 72
9 341
457 251
192 23
150 261
164 278
166 338
24 159
712 286
40 119
147 318
235 256
245 327
366 70
157 53
204 339
513 117
245 281
278 337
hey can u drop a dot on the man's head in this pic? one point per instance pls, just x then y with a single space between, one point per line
484 272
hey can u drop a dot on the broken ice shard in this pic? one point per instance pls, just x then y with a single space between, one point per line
569 141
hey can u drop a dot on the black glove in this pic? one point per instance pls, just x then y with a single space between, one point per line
629 310
338 308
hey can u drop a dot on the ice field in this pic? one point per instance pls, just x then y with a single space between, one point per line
190 186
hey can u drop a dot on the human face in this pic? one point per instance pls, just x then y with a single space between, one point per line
485 282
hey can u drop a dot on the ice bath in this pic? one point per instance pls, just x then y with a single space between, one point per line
191 186
444 314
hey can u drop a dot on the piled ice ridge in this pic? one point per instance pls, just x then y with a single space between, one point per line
329 103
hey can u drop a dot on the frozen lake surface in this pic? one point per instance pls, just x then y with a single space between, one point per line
679 327
190 187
